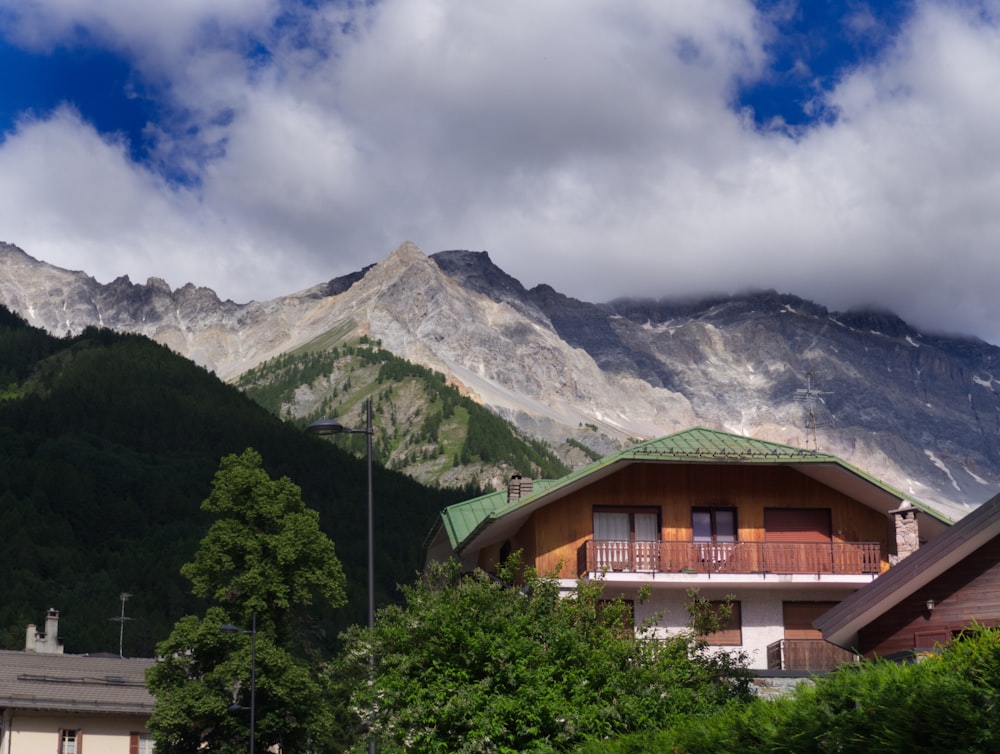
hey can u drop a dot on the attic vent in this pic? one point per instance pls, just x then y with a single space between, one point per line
518 487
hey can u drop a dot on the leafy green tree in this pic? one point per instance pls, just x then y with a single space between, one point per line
472 664
941 702
263 560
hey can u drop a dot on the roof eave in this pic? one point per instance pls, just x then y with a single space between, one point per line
843 622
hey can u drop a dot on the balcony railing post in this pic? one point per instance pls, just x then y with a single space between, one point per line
732 557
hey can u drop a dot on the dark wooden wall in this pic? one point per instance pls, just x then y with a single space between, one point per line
967 592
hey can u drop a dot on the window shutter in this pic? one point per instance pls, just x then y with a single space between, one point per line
930 638
730 634
798 617
797 524
133 743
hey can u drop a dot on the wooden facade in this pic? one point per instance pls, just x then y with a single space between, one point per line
555 538
967 593
769 526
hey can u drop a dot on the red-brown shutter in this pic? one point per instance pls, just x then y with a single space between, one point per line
133 743
798 618
930 638
731 634
797 524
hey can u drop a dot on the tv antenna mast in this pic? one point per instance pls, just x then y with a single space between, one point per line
120 620
810 397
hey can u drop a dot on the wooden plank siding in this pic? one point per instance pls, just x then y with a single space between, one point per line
554 537
968 591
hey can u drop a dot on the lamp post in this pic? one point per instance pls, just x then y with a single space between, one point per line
331 427
229 628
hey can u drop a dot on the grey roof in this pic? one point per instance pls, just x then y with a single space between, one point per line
840 625
77 683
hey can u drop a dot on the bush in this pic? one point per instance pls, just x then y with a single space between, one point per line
475 662
943 703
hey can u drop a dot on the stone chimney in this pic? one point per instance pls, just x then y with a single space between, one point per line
47 643
907 531
518 487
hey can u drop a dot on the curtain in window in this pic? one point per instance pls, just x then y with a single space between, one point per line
646 529
609 526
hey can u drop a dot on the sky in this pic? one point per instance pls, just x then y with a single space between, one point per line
845 152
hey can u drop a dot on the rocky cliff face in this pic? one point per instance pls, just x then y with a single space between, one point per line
921 412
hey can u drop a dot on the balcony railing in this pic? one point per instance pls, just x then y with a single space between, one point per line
806 654
854 558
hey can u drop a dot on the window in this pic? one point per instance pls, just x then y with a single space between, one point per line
932 638
625 539
799 617
713 524
624 525
69 741
730 633
140 743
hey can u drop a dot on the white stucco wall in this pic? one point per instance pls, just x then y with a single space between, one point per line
38 733
761 610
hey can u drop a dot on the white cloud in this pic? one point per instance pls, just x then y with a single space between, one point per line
160 30
590 145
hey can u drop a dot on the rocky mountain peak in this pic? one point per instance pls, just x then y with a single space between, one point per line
921 412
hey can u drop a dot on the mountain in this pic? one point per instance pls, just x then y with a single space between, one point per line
110 443
916 409
421 426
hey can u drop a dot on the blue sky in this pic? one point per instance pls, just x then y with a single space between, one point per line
845 152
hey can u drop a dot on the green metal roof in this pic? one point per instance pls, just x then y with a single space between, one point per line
708 444
698 445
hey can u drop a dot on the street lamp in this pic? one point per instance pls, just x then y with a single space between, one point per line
331 427
229 628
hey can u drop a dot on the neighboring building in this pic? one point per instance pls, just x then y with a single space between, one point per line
787 532
927 599
55 703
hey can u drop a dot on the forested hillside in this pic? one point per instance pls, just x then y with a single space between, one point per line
423 426
108 444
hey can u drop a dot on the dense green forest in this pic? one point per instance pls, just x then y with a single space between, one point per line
108 444
424 427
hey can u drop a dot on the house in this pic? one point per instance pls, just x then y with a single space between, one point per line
928 598
55 703
787 532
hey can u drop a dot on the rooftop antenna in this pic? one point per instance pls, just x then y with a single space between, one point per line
809 397
121 624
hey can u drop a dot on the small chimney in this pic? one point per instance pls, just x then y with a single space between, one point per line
907 531
47 643
518 487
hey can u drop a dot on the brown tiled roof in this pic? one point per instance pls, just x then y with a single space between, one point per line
78 683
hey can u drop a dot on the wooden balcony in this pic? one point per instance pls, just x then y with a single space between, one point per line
853 558
806 654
